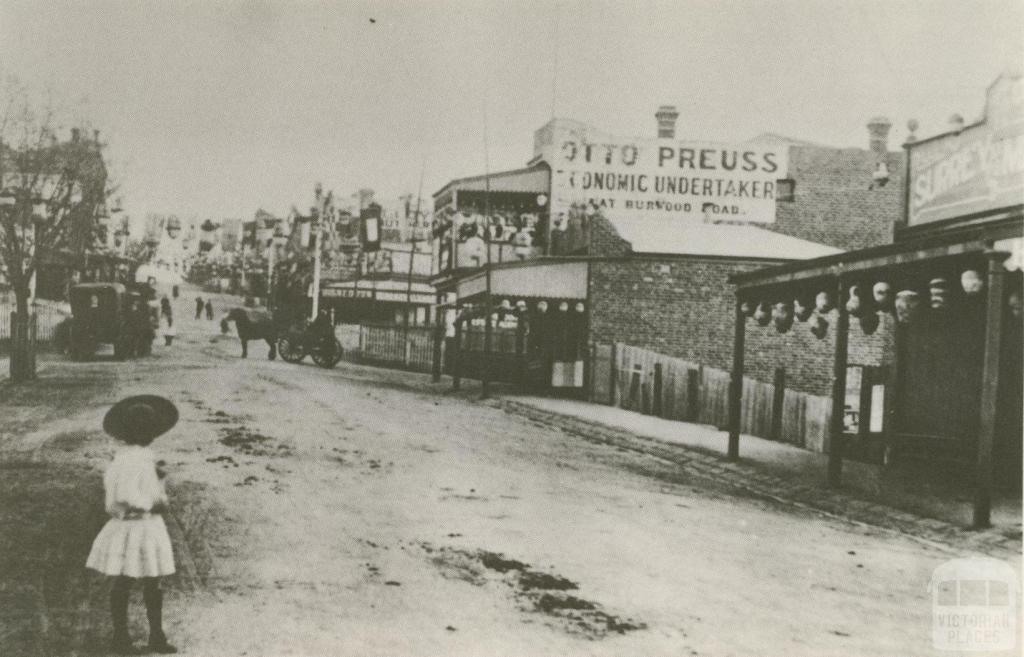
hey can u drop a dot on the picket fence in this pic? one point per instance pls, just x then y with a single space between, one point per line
411 348
655 384
48 316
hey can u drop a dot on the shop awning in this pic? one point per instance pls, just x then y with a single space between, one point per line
546 280
536 179
380 290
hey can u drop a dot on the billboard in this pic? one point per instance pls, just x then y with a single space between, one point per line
644 178
978 169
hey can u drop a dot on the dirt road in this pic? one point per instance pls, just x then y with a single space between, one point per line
366 512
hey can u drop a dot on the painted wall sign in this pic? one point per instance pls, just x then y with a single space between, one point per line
346 293
643 178
978 169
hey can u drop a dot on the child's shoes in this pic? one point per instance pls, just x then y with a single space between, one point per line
159 645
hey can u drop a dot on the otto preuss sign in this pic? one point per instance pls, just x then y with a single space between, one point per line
661 177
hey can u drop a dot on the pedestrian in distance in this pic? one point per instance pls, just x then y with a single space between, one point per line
134 544
209 309
169 332
199 307
165 307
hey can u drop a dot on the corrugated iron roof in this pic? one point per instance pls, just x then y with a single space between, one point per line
532 179
678 237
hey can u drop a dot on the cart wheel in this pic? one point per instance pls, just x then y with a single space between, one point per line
290 350
328 358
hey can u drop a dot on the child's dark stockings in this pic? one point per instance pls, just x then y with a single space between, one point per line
154 599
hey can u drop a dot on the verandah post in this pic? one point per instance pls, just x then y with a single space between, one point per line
457 356
989 390
736 381
835 425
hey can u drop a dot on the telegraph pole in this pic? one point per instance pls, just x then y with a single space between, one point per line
485 384
321 203
412 255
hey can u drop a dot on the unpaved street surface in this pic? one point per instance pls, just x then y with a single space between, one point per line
360 511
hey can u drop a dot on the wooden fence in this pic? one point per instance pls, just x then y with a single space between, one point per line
648 382
411 348
47 318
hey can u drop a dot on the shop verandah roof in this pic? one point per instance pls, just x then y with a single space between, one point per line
674 237
899 257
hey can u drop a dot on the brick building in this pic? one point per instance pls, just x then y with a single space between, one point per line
643 235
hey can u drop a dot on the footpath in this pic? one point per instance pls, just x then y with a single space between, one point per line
786 475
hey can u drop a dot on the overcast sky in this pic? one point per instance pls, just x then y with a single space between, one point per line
216 109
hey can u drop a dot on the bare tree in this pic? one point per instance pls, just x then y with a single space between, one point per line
51 194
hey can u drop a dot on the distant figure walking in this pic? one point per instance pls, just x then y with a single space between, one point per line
199 307
165 307
209 309
169 332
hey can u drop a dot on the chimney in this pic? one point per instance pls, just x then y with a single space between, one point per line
75 134
878 135
666 116
96 136
956 123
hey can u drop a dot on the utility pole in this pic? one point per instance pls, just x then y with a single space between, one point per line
485 384
321 203
412 256
270 270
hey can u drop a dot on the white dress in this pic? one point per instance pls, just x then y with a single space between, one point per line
134 542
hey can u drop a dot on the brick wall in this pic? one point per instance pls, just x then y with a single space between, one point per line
833 203
684 307
604 240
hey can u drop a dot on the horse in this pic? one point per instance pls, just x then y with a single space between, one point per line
260 328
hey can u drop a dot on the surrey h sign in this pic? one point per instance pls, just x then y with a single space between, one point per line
978 169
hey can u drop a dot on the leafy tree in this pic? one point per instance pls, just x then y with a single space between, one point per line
51 197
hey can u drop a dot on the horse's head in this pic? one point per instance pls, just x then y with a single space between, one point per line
236 315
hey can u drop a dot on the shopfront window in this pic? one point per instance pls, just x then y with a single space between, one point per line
864 409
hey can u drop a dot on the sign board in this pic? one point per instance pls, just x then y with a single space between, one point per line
345 293
416 297
644 178
978 169
370 232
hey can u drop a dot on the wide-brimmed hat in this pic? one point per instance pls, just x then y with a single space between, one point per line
140 418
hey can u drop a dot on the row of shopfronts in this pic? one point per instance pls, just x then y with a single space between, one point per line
950 283
888 281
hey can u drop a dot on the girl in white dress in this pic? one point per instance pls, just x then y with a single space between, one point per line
134 544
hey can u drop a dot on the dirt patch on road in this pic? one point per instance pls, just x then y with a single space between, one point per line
534 590
252 443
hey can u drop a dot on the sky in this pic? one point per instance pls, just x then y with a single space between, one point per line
215 109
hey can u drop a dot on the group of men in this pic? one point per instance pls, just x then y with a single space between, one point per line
204 305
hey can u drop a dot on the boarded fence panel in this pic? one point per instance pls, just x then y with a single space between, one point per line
693 393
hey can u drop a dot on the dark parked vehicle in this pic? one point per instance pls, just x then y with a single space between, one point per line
110 313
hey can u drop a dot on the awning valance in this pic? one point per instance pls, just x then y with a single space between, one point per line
556 280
